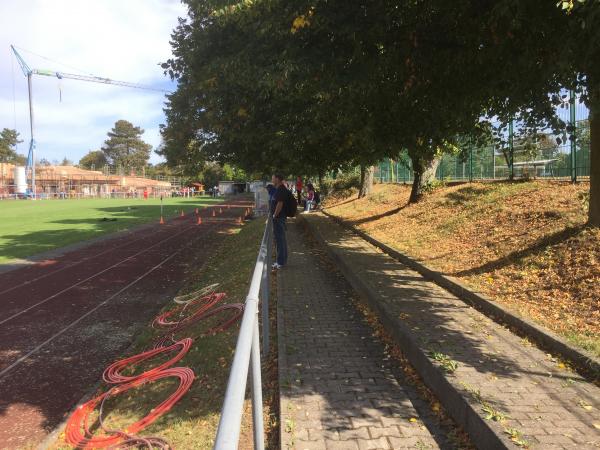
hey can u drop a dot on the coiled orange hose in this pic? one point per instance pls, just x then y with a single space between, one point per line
78 432
112 374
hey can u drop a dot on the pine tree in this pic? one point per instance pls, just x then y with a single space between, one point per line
8 141
124 146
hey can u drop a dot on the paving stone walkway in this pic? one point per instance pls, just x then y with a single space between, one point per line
516 389
339 390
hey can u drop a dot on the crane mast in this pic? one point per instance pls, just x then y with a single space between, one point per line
28 72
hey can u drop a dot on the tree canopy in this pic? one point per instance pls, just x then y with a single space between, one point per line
94 159
308 86
8 142
124 146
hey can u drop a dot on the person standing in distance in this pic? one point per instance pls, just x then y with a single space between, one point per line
279 216
299 188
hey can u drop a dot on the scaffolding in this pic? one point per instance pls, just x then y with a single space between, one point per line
73 182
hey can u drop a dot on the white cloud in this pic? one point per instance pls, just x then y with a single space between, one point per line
122 40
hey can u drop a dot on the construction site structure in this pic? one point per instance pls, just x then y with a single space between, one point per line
73 182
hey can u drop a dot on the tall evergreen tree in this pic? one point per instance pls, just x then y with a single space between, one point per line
8 141
124 146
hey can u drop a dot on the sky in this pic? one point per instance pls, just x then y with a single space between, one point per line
124 40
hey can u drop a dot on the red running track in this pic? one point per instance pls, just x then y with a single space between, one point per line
61 324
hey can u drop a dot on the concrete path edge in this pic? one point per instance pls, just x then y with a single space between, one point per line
586 363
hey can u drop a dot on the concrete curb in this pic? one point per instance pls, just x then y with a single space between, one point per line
281 362
485 435
586 363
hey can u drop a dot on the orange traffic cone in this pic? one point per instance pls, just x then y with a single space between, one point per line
213 213
196 211
220 210
182 214
199 221
162 221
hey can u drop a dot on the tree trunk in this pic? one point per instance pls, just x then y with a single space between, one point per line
424 171
594 210
366 180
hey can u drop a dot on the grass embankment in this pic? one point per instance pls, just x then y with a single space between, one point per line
31 227
193 421
524 244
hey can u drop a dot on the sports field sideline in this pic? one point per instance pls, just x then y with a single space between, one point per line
31 227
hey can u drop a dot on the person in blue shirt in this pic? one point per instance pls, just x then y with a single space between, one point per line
279 197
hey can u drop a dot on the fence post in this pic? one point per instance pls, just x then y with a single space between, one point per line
573 142
511 151
470 162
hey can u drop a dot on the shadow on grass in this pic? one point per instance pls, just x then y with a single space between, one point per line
468 193
98 222
509 259
377 216
21 246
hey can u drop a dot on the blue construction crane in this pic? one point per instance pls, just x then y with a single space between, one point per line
60 75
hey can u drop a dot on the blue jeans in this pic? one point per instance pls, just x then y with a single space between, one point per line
280 240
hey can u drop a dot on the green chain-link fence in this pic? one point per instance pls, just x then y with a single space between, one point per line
547 157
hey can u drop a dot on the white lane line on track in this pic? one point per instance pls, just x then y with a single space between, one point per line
33 280
75 322
28 282
47 299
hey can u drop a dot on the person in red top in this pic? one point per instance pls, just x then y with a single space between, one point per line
299 188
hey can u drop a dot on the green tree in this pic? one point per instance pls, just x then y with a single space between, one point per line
211 174
124 146
94 159
313 85
8 142
66 162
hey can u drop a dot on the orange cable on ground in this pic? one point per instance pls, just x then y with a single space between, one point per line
78 431
235 311
198 306
112 374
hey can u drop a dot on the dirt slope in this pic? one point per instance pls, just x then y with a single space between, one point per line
524 244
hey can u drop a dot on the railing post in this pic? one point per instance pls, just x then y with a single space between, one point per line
257 409
246 360
265 288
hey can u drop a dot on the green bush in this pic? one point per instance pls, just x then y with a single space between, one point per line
343 185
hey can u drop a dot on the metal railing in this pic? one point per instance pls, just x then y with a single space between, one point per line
247 356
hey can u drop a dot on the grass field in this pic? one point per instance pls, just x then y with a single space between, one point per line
31 227
523 244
